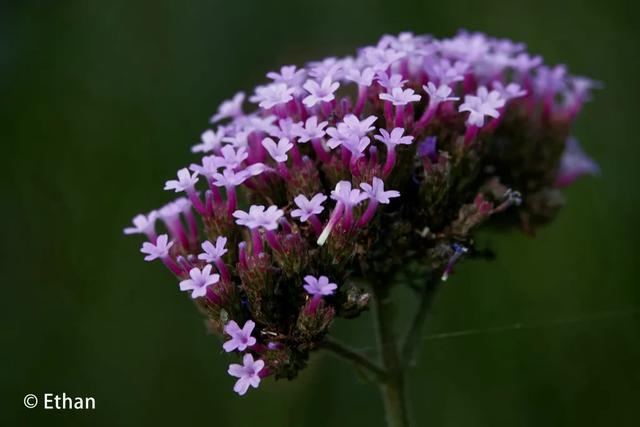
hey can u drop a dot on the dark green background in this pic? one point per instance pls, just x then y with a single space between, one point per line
100 102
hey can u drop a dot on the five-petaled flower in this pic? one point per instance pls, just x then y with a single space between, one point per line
199 281
258 216
375 190
241 338
323 92
307 207
310 130
319 286
248 373
212 253
439 94
394 138
211 141
144 224
230 108
158 250
399 96
484 104
271 95
278 151
184 182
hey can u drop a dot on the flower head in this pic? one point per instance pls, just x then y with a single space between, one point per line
319 285
305 140
240 337
248 373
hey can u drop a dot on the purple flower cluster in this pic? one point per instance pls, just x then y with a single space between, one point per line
357 166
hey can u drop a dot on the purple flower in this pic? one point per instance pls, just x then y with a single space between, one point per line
212 253
319 286
271 95
144 224
239 140
394 138
172 210
209 167
381 58
356 147
311 129
233 158
510 91
390 83
240 338
327 67
289 75
346 195
259 217
199 281
523 63
398 96
248 373
158 250
361 78
307 207
230 108
184 182
445 73
438 94
211 141
322 92
285 129
277 151
375 191
484 104
351 128
574 164
229 178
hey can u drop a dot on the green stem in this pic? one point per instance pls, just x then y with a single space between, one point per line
392 389
414 334
354 357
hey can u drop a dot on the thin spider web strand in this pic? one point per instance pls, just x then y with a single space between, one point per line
607 315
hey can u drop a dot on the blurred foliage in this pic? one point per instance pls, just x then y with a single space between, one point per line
100 102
